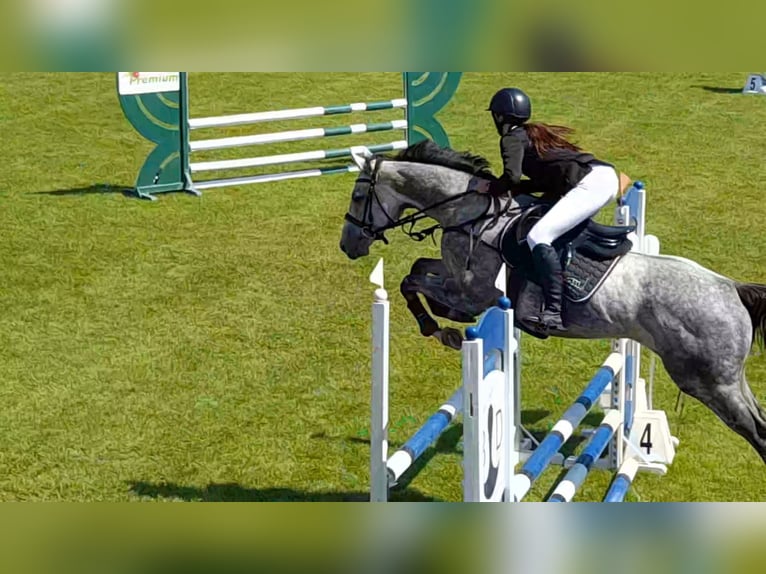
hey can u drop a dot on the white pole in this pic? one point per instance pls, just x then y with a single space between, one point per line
379 403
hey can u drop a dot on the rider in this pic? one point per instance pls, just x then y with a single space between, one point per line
579 183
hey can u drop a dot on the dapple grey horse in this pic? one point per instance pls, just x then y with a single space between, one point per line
702 325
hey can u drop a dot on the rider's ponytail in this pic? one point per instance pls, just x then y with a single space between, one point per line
545 137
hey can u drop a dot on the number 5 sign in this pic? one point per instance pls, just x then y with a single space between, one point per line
755 84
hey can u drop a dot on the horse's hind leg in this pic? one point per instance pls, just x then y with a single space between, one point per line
729 396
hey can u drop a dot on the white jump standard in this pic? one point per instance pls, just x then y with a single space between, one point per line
483 400
631 436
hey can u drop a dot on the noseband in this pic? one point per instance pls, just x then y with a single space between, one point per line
366 223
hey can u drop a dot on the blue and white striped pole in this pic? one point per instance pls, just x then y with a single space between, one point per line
598 442
564 428
426 435
622 481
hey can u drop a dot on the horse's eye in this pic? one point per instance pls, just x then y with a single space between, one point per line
358 195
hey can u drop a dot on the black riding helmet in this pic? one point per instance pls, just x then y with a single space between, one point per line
510 106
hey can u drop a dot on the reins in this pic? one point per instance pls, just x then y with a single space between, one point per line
378 233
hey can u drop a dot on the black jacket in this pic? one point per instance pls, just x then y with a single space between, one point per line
556 172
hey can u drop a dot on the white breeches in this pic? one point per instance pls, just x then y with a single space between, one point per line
593 192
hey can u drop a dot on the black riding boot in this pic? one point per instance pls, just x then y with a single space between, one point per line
548 267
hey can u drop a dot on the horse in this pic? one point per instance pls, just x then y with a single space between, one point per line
701 324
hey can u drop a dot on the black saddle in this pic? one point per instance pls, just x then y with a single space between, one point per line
588 252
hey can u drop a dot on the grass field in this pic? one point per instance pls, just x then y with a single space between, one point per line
217 348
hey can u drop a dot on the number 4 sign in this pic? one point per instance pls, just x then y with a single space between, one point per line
755 84
650 438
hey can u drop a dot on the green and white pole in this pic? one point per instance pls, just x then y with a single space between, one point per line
157 105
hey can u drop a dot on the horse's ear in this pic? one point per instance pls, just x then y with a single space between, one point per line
361 155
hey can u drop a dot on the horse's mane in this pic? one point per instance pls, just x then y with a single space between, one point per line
429 152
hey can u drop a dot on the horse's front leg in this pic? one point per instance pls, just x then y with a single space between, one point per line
448 292
437 268
422 267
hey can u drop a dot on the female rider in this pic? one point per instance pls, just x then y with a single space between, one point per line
580 184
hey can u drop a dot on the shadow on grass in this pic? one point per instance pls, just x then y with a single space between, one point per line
100 188
231 492
532 416
717 90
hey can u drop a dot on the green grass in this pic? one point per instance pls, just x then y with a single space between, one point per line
217 348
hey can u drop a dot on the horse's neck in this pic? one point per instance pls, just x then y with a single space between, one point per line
426 186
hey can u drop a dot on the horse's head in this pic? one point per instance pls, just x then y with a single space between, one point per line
437 183
374 206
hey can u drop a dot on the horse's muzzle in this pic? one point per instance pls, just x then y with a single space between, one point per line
354 242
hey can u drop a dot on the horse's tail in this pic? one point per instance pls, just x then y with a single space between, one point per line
753 297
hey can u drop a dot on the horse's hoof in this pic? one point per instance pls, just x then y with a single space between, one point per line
450 337
427 325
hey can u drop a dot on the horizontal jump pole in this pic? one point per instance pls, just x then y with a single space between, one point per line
436 424
542 456
289 157
294 114
295 135
622 481
598 442
263 178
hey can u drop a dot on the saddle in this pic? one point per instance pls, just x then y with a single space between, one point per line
588 253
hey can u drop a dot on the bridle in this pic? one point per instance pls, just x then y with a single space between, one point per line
367 226
366 223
